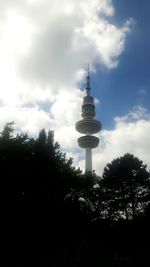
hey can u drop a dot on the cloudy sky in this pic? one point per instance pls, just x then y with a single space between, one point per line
45 46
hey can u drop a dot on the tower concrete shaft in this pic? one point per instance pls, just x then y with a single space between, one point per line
88 159
88 126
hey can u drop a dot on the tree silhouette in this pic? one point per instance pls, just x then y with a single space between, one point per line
35 177
49 206
126 187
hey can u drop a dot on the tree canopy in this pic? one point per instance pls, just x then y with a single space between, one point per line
126 187
44 198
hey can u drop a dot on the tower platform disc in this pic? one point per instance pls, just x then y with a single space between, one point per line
88 141
88 126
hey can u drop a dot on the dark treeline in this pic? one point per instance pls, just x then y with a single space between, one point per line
54 215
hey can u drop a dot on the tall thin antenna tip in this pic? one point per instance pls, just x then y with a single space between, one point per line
88 80
88 69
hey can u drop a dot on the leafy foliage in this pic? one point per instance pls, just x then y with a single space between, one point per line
125 185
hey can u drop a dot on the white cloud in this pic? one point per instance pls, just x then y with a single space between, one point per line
71 34
44 48
142 92
130 135
27 119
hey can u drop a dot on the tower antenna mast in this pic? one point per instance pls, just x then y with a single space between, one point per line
88 87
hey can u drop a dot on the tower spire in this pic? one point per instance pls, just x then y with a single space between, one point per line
88 87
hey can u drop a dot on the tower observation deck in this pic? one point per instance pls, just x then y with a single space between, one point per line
88 126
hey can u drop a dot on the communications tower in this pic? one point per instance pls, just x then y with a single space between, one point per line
88 126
